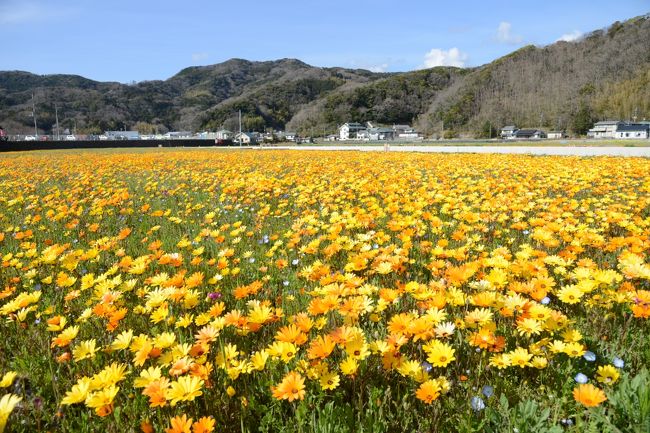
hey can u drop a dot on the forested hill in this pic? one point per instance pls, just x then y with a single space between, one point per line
566 85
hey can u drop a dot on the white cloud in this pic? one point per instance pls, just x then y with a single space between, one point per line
570 37
30 12
504 34
197 57
438 57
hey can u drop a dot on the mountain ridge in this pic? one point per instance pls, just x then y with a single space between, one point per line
564 85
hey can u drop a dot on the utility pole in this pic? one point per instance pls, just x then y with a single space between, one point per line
34 116
56 115
240 137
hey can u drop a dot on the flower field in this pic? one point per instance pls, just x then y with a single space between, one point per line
241 291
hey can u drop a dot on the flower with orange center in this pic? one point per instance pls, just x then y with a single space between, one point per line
428 391
291 388
589 395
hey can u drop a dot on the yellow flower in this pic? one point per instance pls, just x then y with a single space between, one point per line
102 400
570 294
349 366
520 357
147 376
7 379
440 354
186 388
7 404
78 393
123 340
329 380
259 359
84 350
607 374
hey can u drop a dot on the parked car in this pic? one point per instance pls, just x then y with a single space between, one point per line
103 137
70 138
3 135
30 138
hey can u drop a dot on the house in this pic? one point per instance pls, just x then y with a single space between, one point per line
401 129
604 129
380 133
177 134
223 134
363 134
349 130
410 134
332 137
508 132
245 138
632 130
122 135
556 135
529 134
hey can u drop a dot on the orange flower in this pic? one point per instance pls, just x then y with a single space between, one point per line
589 395
291 388
146 427
203 425
321 347
428 391
179 424
124 233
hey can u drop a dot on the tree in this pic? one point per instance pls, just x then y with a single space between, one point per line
583 119
487 130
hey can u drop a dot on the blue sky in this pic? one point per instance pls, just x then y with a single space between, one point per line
135 40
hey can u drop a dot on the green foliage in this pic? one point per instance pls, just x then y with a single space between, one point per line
582 119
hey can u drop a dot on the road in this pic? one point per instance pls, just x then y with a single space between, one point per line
530 150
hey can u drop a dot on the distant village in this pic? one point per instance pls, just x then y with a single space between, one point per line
356 132
613 129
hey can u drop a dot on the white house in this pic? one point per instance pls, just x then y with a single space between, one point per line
508 132
178 134
332 137
350 130
556 135
632 130
223 134
122 135
604 129
245 138
363 134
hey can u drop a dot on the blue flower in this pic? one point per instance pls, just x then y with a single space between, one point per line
477 403
488 391
426 366
545 300
589 356
618 362
581 378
